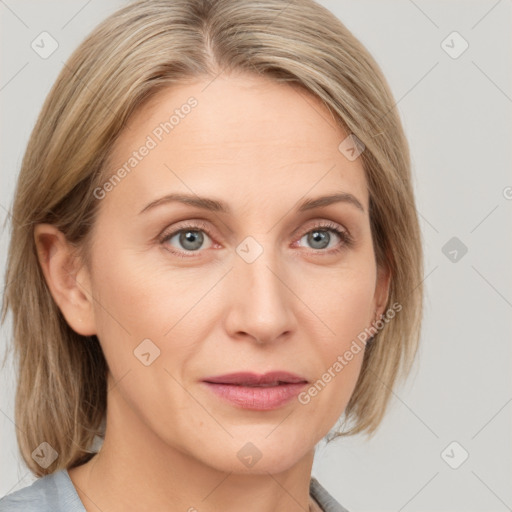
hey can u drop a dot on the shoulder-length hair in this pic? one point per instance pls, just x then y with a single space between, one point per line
136 52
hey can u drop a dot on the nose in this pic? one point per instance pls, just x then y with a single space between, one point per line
261 299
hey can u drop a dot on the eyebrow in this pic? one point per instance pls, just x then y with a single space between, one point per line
214 205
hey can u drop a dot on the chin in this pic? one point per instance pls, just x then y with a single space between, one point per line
257 454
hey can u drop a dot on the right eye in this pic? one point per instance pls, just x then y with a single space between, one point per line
189 238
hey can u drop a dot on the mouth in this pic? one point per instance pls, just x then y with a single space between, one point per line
256 380
256 391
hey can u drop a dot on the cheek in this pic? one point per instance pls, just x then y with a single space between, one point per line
345 309
124 306
342 299
327 397
135 300
130 291
350 309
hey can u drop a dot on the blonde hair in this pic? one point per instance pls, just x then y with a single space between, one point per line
140 49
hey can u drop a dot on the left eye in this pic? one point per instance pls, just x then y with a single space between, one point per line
319 238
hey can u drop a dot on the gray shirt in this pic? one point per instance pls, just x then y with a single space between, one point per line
56 493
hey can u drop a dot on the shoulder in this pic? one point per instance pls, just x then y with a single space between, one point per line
327 502
50 493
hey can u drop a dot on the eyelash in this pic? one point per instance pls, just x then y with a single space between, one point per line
346 239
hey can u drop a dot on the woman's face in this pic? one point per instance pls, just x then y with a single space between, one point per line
261 284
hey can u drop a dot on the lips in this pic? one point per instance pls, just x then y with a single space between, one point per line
256 380
247 390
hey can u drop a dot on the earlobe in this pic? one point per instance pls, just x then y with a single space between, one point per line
66 277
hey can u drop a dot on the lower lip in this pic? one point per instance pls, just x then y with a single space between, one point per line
257 398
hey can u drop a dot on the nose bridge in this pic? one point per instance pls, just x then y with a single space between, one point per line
261 304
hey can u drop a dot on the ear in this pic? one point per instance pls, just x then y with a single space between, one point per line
382 289
66 277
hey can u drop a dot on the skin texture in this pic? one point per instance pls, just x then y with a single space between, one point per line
261 147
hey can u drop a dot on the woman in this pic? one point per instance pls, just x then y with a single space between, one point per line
216 256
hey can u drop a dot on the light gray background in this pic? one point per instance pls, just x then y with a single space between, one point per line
457 115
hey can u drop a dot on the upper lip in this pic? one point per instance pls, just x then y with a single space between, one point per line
255 379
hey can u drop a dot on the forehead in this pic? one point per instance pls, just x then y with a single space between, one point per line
246 136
